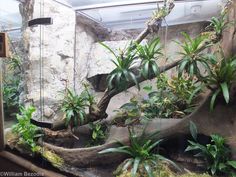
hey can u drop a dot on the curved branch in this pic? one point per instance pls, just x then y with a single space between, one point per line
103 103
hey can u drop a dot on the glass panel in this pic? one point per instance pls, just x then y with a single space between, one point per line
9 14
135 16
19 131
76 3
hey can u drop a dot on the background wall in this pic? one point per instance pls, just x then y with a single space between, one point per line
57 53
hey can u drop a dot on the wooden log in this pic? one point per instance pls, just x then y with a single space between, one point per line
28 165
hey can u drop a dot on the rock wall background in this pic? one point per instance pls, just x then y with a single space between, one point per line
56 52
72 55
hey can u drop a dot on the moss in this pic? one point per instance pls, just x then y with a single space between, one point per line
194 175
161 170
10 136
53 158
50 156
165 174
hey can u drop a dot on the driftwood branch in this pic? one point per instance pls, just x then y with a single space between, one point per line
103 103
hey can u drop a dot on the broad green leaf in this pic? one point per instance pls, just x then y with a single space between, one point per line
225 91
148 88
213 99
193 130
148 169
115 150
135 166
232 164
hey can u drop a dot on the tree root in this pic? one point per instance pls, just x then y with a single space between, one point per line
221 121
59 134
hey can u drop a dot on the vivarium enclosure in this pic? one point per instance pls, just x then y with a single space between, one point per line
109 88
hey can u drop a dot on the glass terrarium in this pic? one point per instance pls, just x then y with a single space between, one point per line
118 88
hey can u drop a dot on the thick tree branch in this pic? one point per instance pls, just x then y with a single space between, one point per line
103 103
98 111
154 23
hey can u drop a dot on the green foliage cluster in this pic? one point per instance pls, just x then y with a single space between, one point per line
185 89
128 114
74 106
159 104
172 99
11 94
149 53
141 154
216 154
193 56
221 78
220 71
11 86
219 24
122 75
27 132
98 133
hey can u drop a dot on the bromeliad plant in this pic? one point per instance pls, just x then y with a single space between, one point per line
141 154
219 24
27 132
216 154
122 74
193 56
74 107
87 95
148 54
221 79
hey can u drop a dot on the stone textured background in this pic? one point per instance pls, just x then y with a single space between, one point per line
57 54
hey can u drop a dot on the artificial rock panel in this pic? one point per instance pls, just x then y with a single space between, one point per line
56 52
